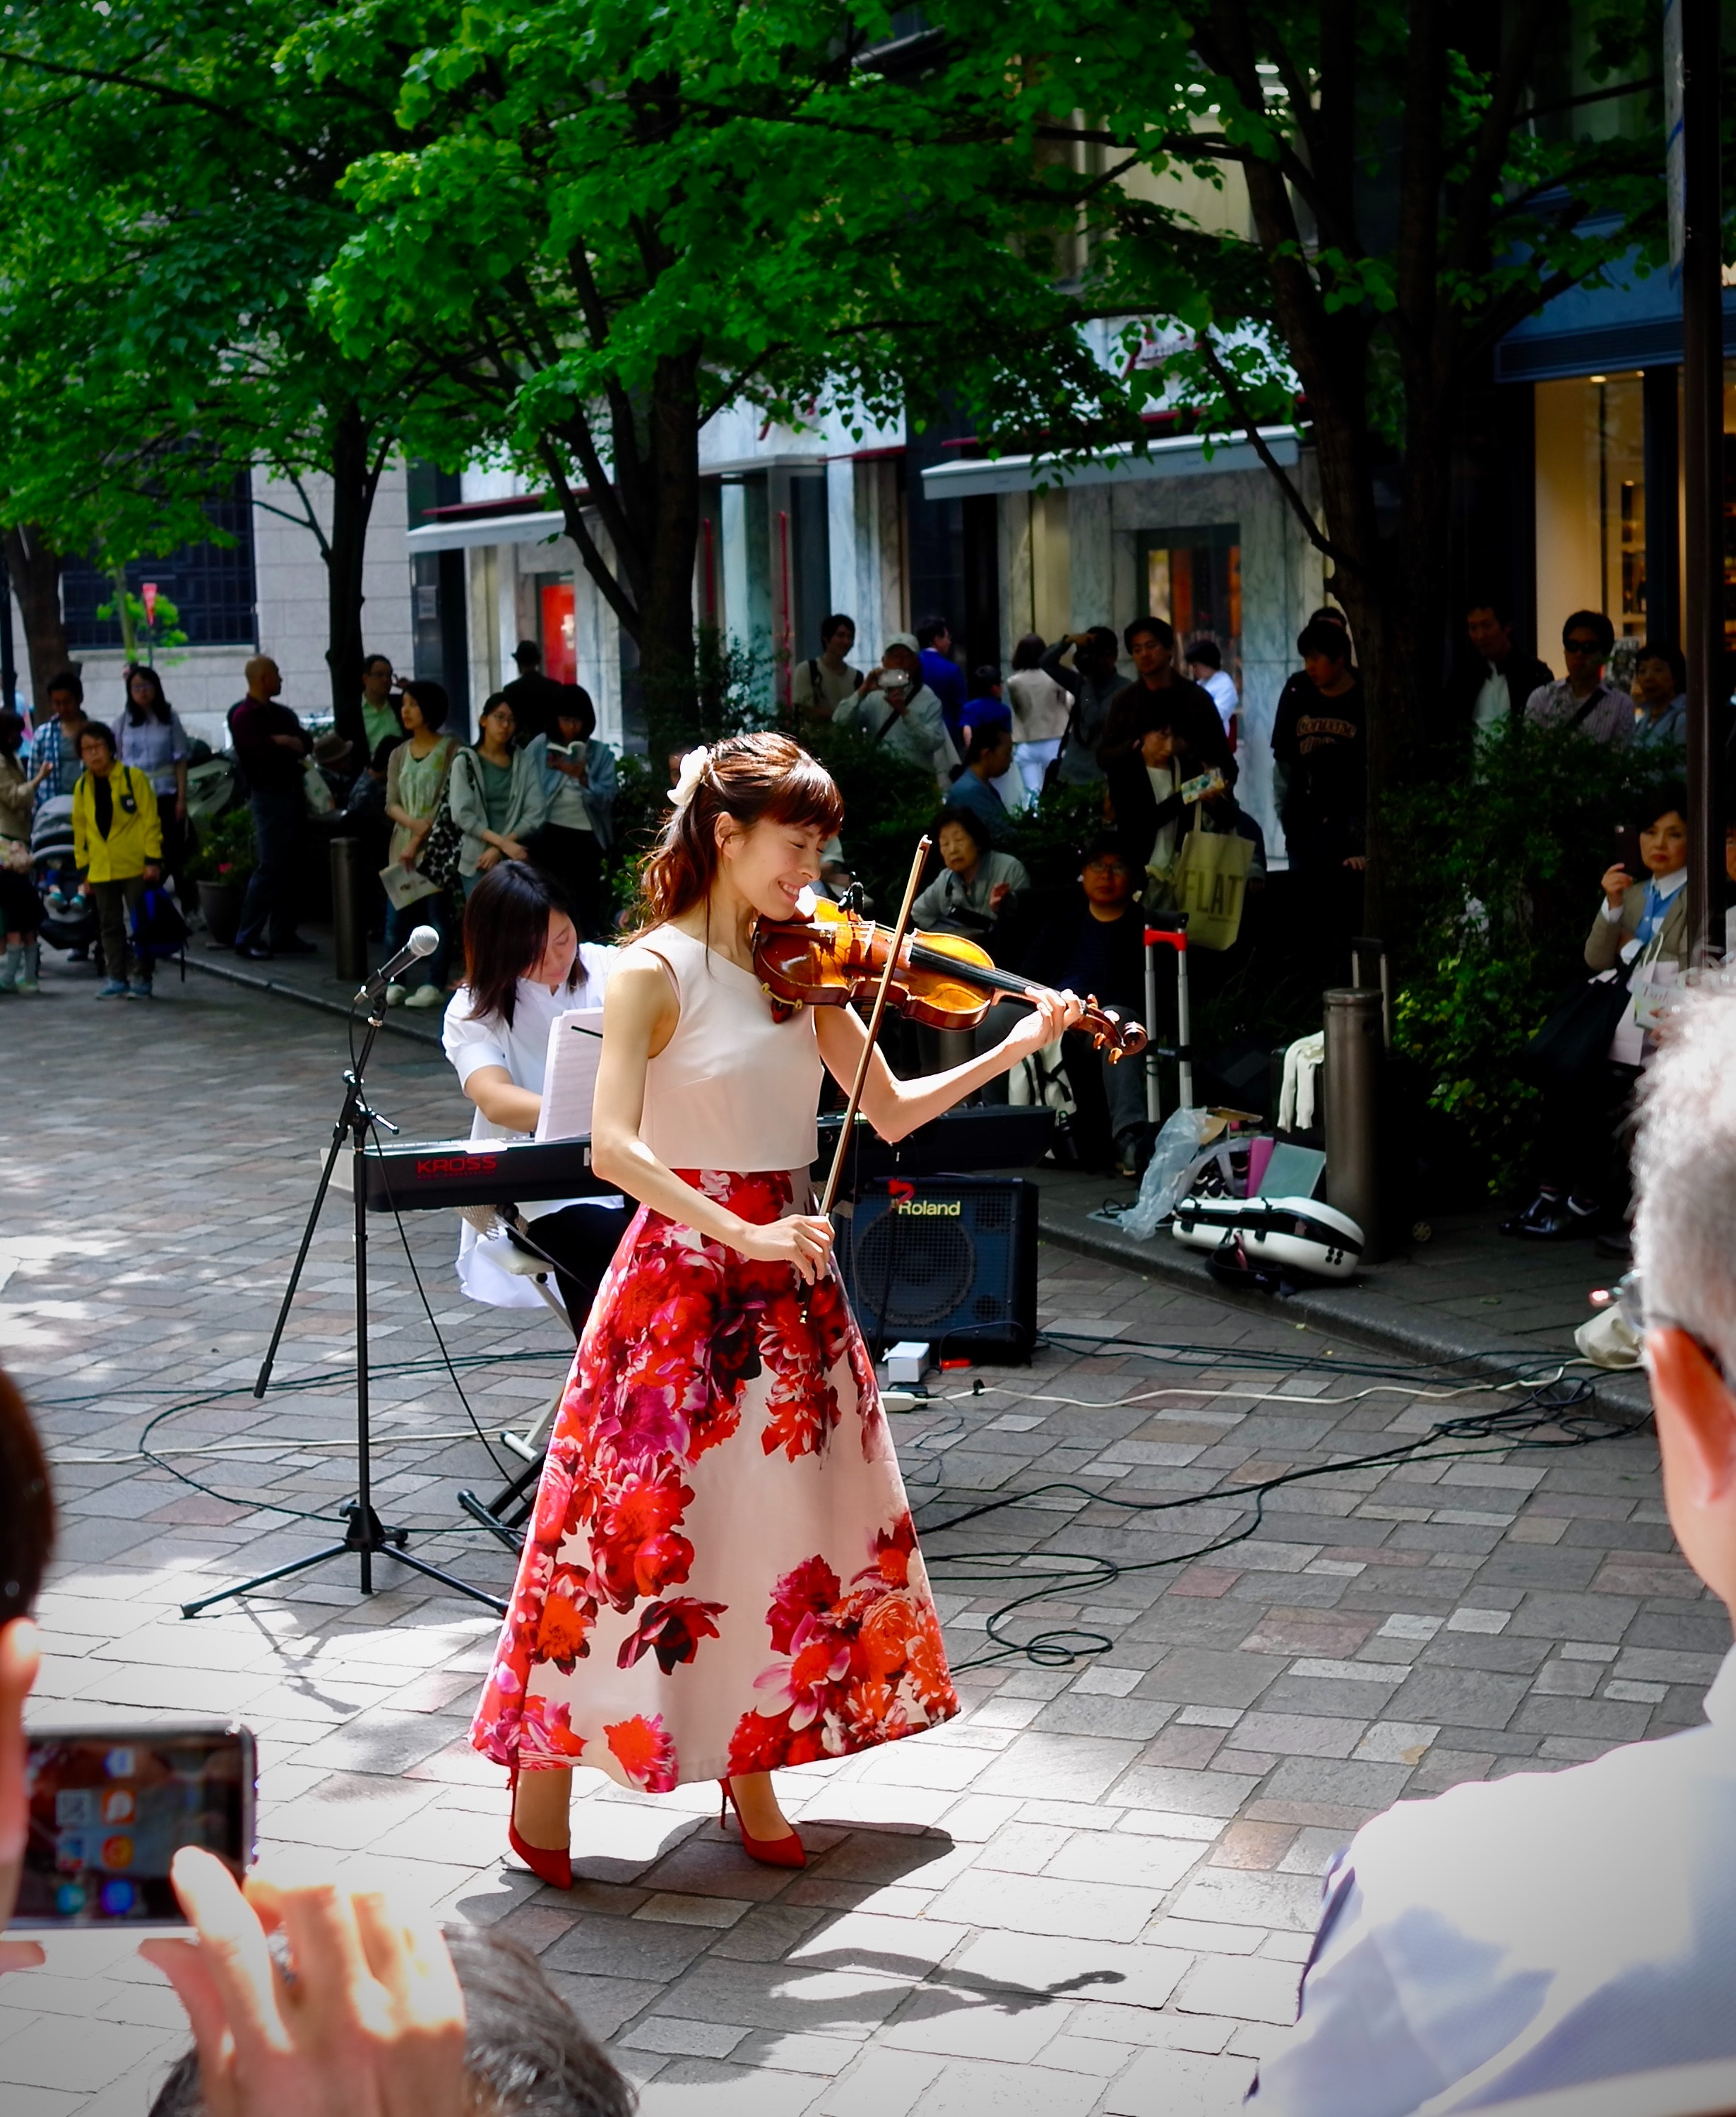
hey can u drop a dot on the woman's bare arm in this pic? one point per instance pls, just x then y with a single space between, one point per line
895 1107
501 1101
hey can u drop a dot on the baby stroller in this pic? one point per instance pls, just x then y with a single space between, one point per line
68 921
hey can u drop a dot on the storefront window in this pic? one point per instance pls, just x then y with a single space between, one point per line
1591 504
558 627
1193 578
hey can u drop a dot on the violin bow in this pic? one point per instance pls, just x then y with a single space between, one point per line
875 1019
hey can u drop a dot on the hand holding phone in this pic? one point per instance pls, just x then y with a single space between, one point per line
369 2023
108 1809
1202 788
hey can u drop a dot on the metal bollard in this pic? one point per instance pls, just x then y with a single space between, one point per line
349 911
1354 1051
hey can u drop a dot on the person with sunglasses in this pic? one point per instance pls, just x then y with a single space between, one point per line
1581 700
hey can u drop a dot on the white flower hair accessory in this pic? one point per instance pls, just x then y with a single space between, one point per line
692 770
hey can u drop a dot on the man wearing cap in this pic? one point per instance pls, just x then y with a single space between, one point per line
896 706
535 699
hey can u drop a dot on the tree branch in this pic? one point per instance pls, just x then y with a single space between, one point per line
1477 195
589 552
294 477
1250 426
628 462
183 97
1595 95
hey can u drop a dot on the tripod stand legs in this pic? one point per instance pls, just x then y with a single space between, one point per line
368 1536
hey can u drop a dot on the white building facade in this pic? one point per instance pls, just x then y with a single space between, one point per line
890 527
886 526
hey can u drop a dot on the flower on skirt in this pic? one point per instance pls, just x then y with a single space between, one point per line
643 1751
672 1631
545 1736
851 1665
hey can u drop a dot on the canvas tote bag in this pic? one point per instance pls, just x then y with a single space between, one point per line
1209 883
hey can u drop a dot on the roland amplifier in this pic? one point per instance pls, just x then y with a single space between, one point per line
952 1259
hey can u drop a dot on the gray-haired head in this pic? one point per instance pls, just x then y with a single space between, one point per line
524 2051
1684 1235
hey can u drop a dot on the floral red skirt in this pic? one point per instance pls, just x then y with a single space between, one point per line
721 1576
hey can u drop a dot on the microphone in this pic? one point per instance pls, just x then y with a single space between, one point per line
423 942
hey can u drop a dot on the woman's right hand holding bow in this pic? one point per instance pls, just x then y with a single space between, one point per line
801 1239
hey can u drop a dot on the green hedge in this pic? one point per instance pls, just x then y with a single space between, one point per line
1505 868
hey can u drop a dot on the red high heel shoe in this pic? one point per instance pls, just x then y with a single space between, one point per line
549 1864
769 1851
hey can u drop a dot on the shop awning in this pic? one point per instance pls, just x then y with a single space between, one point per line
467 531
1177 455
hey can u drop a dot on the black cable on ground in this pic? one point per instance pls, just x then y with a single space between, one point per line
1540 1420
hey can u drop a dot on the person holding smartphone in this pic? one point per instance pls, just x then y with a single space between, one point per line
893 706
1640 930
578 784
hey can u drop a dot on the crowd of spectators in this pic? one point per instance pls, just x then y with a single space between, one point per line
1148 727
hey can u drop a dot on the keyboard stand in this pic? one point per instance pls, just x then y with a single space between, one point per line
365 1536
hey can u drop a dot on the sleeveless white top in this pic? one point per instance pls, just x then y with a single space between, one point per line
733 1089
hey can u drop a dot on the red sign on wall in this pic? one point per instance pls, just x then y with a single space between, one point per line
560 633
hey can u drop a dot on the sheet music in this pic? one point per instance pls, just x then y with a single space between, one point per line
569 1076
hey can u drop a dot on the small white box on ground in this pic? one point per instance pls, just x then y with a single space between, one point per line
907 1361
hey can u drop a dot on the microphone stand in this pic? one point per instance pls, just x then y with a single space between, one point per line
367 1536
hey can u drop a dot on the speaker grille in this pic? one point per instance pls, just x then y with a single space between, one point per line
911 1272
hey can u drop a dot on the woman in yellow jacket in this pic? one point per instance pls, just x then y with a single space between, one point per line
118 846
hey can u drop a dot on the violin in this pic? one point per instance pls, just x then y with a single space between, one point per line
942 979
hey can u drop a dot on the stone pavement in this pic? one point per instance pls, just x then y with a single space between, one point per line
1089 1894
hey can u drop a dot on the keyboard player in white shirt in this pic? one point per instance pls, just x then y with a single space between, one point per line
1552 1930
525 967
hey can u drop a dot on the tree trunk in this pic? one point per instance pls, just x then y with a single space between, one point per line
667 630
354 479
650 515
36 570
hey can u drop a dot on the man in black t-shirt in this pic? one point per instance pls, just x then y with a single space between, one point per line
1151 644
1319 742
1320 745
270 747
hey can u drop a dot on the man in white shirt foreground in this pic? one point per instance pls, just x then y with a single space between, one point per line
1551 1929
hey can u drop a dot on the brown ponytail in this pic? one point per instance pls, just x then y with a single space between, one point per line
751 779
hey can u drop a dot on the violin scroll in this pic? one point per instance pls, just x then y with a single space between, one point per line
1116 1039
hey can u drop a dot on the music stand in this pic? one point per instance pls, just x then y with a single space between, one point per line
367 1536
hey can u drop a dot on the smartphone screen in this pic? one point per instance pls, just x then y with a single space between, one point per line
110 1808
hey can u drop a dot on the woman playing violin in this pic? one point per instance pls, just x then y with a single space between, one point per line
722 1578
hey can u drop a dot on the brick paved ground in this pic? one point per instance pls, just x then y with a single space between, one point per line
1089 1894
